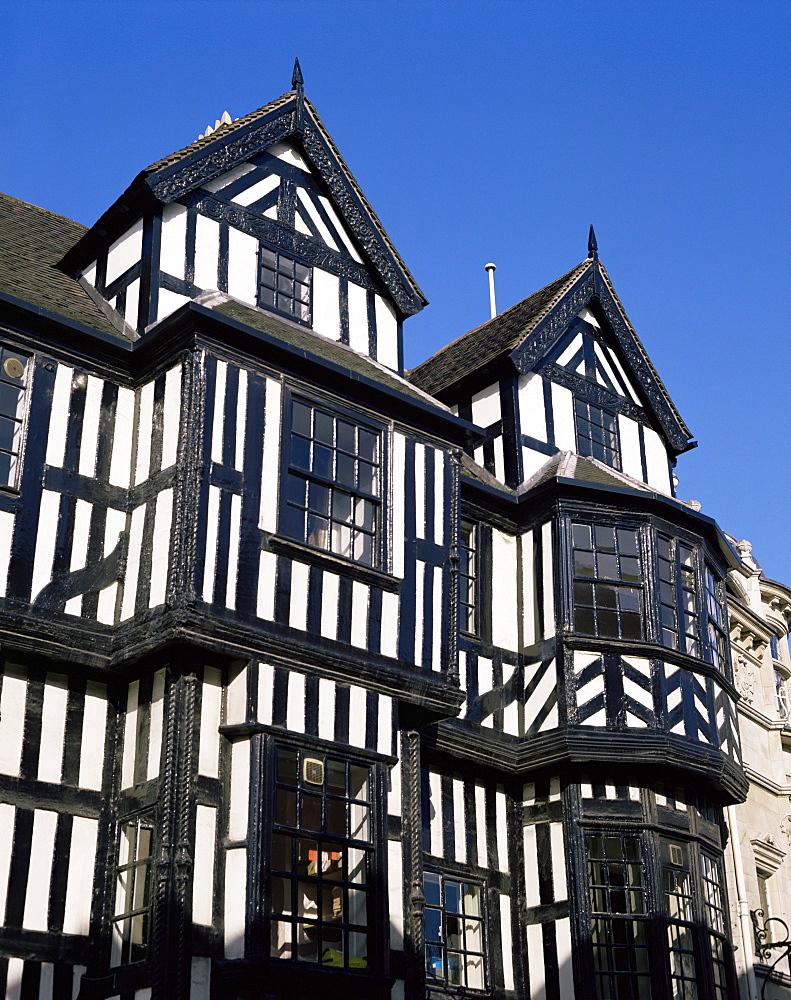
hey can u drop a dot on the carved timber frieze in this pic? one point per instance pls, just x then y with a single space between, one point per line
284 238
556 323
349 207
213 164
592 391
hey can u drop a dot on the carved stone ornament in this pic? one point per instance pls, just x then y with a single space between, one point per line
284 238
229 155
745 679
785 828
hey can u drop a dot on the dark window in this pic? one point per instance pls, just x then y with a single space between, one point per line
454 931
284 285
678 605
714 906
607 581
12 402
468 570
619 925
677 888
132 920
716 647
597 433
332 489
321 860
774 647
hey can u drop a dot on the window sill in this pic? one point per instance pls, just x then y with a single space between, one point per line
335 564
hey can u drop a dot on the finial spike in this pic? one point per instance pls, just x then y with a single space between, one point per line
593 246
297 79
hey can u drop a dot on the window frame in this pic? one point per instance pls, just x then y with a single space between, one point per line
380 562
375 859
599 583
120 952
22 385
583 430
439 943
649 529
468 597
702 929
279 274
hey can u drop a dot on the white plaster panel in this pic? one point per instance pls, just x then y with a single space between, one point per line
504 606
298 612
505 938
265 593
285 151
132 309
228 178
624 377
395 889
210 718
548 579
173 245
45 541
59 416
42 850
121 461
53 727
656 461
420 490
532 461
563 418
399 471
203 885
240 790
93 743
156 714
532 418
126 251
340 227
242 266
80 879
171 416
207 251
528 589
358 318
212 530
90 274
629 433
130 731
300 225
241 420
486 408
386 333
145 421
388 643
570 350
235 901
326 304
267 517
90 427
160 560
169 302
316 219
359 630
257 190
233 551
330 589
236 696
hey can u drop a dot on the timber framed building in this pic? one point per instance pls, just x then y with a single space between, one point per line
321 678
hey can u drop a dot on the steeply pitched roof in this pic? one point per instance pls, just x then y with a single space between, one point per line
497 336
290 116
32 241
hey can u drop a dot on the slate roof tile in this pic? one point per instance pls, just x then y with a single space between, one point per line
497 336
32 241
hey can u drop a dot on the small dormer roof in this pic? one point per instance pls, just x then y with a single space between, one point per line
290 117
522 335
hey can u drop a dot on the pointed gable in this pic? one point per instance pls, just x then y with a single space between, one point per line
265 209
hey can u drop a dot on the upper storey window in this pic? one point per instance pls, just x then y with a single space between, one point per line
284 285
677 595
607 581
12 403
332 492
467 579
597 433
716 629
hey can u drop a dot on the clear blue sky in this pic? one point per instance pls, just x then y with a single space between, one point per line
486 131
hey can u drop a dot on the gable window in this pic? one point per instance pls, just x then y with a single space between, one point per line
607 581
454 931
597 433
321 860
12 403
467 578
332 488
677 596
132 920
284 285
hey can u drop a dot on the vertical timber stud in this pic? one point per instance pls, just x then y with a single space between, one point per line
415 949
172 917
454 558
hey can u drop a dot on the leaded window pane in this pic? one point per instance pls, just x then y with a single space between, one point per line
597 433
331 495
454 931
608 581
285 285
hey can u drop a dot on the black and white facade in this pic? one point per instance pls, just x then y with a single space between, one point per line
320 678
